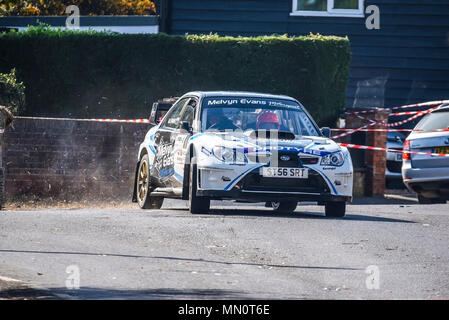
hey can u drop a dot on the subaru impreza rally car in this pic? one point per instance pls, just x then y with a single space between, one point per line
242 146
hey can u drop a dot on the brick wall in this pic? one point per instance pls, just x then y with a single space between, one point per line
369 173
71 159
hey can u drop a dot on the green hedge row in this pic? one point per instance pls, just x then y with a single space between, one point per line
99 74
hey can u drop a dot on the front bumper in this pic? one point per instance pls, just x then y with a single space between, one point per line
254 187
264 196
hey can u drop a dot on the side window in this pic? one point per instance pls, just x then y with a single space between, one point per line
189 112
172 119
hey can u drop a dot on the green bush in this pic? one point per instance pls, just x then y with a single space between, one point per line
98 74
12 92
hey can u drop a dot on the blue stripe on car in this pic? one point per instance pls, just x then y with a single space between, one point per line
328 180
195 136
238 177
178 176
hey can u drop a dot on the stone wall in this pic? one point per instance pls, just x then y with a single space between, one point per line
71 159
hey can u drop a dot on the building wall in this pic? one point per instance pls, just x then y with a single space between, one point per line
70 159
405 61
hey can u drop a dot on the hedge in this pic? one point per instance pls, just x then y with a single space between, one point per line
99 74
12 92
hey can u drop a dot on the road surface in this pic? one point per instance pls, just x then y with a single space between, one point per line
389 249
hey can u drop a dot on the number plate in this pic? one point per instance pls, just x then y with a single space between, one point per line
441 150
398 156
278 172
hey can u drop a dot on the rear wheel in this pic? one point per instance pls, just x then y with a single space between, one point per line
425 200
144 198
336 209
284 206
197 205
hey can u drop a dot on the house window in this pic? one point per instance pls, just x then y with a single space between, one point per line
328 8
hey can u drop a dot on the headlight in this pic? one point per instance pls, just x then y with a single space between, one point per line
333 159
229 155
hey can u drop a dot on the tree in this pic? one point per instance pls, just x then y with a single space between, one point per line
87 7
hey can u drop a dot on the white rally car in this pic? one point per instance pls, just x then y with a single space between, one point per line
243 146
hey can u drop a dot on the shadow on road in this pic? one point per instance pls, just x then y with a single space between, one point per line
197 260
246 213
297 215
388 200
89 293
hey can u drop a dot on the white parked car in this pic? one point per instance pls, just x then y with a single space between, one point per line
241 146
428 175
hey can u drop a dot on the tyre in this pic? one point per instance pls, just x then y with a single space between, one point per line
143 185
424 200
284 206
197 205
336 209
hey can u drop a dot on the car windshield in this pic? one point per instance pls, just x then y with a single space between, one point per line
236 113
435 120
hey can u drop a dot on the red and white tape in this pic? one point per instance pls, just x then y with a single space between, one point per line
416 105
122 120
351 131
394 130
423 104
357 146
379 130
97 120
406 113
398 123
419 114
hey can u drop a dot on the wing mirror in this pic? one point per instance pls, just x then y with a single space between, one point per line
158 112
153 119
326 131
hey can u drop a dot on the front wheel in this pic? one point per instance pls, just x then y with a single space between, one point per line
144 199
284 206
336 209
197 205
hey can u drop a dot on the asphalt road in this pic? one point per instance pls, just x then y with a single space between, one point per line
236 252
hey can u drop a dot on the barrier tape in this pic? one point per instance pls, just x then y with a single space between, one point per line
97 120
398 123
347 145
394 130
380 130
423 104
419 114
351 131
366 119
357 146
122 120
406 113
395 124
416 105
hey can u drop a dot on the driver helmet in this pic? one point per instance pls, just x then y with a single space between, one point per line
268 121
